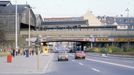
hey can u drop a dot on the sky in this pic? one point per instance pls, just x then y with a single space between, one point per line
74 8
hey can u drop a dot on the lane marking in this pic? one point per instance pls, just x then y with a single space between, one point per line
94 69
73 60
81 64
115 64
71 55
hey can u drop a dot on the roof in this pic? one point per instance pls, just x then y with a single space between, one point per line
4 3
38 16
10 9
82 22
64 19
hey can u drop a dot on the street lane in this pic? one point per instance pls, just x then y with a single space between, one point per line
71 67
92 65
112 59
99 65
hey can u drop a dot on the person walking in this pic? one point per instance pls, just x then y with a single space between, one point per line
13 52
27 52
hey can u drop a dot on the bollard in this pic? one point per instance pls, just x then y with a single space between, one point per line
9 59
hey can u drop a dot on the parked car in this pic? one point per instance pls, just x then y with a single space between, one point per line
80 54
62 56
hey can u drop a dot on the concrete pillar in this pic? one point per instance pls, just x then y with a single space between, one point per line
82 46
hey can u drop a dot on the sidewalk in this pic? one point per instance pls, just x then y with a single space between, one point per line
24 65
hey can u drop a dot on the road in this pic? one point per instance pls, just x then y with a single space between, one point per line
93 65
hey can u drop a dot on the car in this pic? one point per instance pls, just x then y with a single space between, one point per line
80 54
62 56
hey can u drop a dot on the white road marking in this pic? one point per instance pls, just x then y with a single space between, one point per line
71 55
94 69
115 64
81 64
73 60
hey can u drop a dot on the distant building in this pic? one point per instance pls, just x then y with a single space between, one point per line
120 22
92 20
86 20
64 22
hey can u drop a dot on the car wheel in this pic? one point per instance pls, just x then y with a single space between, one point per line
83 57
58 59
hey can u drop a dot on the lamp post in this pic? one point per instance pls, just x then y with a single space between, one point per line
29 27
37 44
16 26
92 40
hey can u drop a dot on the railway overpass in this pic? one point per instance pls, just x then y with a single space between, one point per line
83 33
95 37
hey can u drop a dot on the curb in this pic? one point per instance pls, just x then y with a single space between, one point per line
48 63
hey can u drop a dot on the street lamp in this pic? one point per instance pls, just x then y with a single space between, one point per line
16 26
92 40
29 28
37 44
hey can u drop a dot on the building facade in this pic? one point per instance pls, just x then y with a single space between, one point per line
120 22
7 21
64 22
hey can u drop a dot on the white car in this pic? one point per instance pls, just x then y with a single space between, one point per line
62 56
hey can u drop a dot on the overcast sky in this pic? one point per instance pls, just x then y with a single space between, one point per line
63 8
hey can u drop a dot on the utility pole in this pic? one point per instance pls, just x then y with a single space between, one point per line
29 28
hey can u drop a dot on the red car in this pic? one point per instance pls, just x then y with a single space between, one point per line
80 54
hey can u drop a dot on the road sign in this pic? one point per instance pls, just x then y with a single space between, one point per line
33 39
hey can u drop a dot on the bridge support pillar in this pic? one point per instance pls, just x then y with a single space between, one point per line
82 46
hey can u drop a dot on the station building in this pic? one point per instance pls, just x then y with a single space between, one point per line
25 15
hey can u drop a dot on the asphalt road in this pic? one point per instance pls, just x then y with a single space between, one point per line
93 65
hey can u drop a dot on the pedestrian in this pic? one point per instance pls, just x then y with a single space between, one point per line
24 51
32 51
21 51
27 52
13 52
